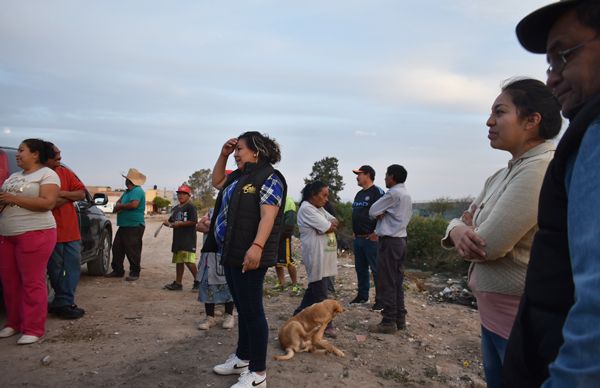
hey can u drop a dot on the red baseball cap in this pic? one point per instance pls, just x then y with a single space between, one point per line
184 189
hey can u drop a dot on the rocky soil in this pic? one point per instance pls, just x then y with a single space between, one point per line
136 334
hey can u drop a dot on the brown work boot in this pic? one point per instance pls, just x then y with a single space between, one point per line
383 328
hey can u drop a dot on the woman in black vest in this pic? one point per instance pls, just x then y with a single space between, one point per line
245 230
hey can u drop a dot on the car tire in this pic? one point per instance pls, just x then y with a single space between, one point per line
101 264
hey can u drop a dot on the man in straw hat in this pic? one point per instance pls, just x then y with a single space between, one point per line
130 220
555 341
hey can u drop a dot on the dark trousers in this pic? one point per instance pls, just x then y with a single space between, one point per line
390 276
253 330
315 292
128 242
365 257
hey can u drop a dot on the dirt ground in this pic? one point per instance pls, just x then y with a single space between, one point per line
135 334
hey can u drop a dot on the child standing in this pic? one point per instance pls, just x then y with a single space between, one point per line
213 286
183 221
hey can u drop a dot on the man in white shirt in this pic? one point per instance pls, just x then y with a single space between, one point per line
392 212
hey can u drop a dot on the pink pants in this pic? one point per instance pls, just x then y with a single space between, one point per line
23 262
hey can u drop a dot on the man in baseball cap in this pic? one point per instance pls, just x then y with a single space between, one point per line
555 340
183 220
365 239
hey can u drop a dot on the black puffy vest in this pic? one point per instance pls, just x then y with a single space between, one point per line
549 292
243 217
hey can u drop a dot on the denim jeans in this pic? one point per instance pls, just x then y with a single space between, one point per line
493 348
64 269
253 330
365 257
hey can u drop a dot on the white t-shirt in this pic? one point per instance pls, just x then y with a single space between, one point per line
319 250
15 220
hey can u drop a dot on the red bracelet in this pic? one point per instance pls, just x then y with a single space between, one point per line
258 245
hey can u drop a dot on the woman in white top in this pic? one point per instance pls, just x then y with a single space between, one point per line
318 243
27 238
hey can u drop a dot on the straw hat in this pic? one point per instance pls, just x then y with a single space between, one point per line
136 177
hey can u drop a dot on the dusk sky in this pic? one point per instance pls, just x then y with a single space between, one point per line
161 85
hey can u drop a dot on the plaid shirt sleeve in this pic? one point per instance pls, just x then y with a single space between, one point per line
271 192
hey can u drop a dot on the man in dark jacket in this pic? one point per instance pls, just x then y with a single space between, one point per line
555 341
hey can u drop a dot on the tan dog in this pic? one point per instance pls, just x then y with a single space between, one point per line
304 332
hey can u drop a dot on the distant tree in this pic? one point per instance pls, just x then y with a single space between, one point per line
161 203
440 205
202 189
326 171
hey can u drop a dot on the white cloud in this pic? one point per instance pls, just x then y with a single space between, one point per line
364 134
7 131
428 85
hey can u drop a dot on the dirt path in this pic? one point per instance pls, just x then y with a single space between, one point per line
135 334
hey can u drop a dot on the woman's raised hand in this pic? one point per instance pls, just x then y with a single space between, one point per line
229 147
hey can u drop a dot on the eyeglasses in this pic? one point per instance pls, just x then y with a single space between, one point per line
558 61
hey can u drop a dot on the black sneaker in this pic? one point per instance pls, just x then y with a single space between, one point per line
359 299
68 312
115 274
196 285
132 277
173 287
377 306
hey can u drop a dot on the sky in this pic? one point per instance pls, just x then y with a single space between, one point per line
161 85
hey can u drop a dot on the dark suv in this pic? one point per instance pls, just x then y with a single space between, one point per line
96 229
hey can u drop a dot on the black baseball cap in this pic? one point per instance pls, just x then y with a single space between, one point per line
533 30
365 169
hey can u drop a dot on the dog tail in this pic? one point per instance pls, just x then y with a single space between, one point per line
290 353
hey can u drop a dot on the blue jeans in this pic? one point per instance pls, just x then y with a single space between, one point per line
64 269
253 330
493 348
365 256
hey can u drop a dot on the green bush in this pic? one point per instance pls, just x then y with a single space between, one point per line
344 215
161 203
424 250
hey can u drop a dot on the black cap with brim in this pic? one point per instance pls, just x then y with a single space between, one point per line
533 30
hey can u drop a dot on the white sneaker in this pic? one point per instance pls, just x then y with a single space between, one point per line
28 339
228 322
251 380
233 366
7 332
208 323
